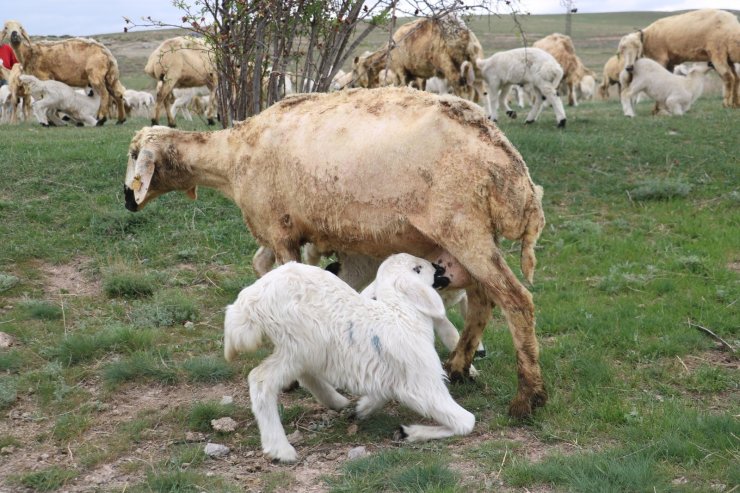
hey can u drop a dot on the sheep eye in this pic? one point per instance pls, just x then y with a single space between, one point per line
134 155
417 269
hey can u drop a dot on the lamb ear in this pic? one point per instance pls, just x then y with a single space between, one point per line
143 172
422 296
192 193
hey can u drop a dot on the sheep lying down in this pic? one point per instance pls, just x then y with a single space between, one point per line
327 336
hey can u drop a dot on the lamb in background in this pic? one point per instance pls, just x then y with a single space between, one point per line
138 103
328 336
524 66
52 96
77 62
673 94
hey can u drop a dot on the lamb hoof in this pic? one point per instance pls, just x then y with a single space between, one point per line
80 124
527 122
561 123
101 122
292 386
66 118
511 114
400 434
46 125
481 353
211 122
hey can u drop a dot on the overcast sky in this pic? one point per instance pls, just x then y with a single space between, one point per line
88 17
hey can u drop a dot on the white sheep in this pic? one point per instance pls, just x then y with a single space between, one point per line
139 102
52 96
586 87
328 336
523 66
673 94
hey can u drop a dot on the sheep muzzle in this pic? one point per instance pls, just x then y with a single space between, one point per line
131 204
440 280
15 38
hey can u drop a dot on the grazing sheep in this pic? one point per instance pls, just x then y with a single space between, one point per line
706 35
612 68
328 336
373 172
52 96
561 47
76 62
673 94
586 88
422 49
181 62
523 66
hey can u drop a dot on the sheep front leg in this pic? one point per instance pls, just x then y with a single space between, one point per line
493 91
265 383
437 404
99 88
503 100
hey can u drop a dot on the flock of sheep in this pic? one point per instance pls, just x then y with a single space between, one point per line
365 174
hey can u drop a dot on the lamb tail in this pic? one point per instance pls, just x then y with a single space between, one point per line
240 334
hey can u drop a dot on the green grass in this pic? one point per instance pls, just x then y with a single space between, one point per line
641 239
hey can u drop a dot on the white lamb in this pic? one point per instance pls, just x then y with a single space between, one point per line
51 96
673 94
139 102
523 66
328 336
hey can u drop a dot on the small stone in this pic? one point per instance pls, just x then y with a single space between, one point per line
210 474
43 456
6 340
194 436
681 480
295 438
224 425
352 429
189 325
216 450
7 450
226 400
356 453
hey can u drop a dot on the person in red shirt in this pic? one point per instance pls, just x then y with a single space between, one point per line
7 55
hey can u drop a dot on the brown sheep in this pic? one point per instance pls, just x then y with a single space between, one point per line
612 68
706 35
181 62
18 92
77 62
373 172
422 49
561 47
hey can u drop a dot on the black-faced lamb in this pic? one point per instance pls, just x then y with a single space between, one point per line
327 336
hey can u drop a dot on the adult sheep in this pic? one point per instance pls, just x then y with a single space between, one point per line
182 62
77 62
373 172
561 47
612 68
422 49
706 35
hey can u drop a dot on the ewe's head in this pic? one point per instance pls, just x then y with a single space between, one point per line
15 31
630 49
414 280
154 168
363 74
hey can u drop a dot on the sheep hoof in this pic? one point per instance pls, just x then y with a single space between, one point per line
211 122
457 376
154 122
561 123
400 434
66 118
172 125
101 122
520 408
511 114
334 268
120 122
481 353
80 124
528 122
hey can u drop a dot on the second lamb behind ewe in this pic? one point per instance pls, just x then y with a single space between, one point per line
673 94
52 96
328 336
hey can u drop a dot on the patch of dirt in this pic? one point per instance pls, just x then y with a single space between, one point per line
72 279
734 266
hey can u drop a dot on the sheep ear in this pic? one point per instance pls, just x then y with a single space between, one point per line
423 297
143 172
192 193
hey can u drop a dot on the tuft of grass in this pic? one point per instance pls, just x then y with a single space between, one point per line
277 481
201 413
141 365
8 391
70 425
41 310
170 481
660 190
129 285
7 281
78 348
191 455
165 310
11 361
50 479
207 369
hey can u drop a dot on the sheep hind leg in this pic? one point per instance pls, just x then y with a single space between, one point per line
367 405
459 363
265 382
323 392
438 405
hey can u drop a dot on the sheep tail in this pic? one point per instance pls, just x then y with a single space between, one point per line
240 333
529 239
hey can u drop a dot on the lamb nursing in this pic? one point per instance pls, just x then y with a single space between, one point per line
328 336
373 172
